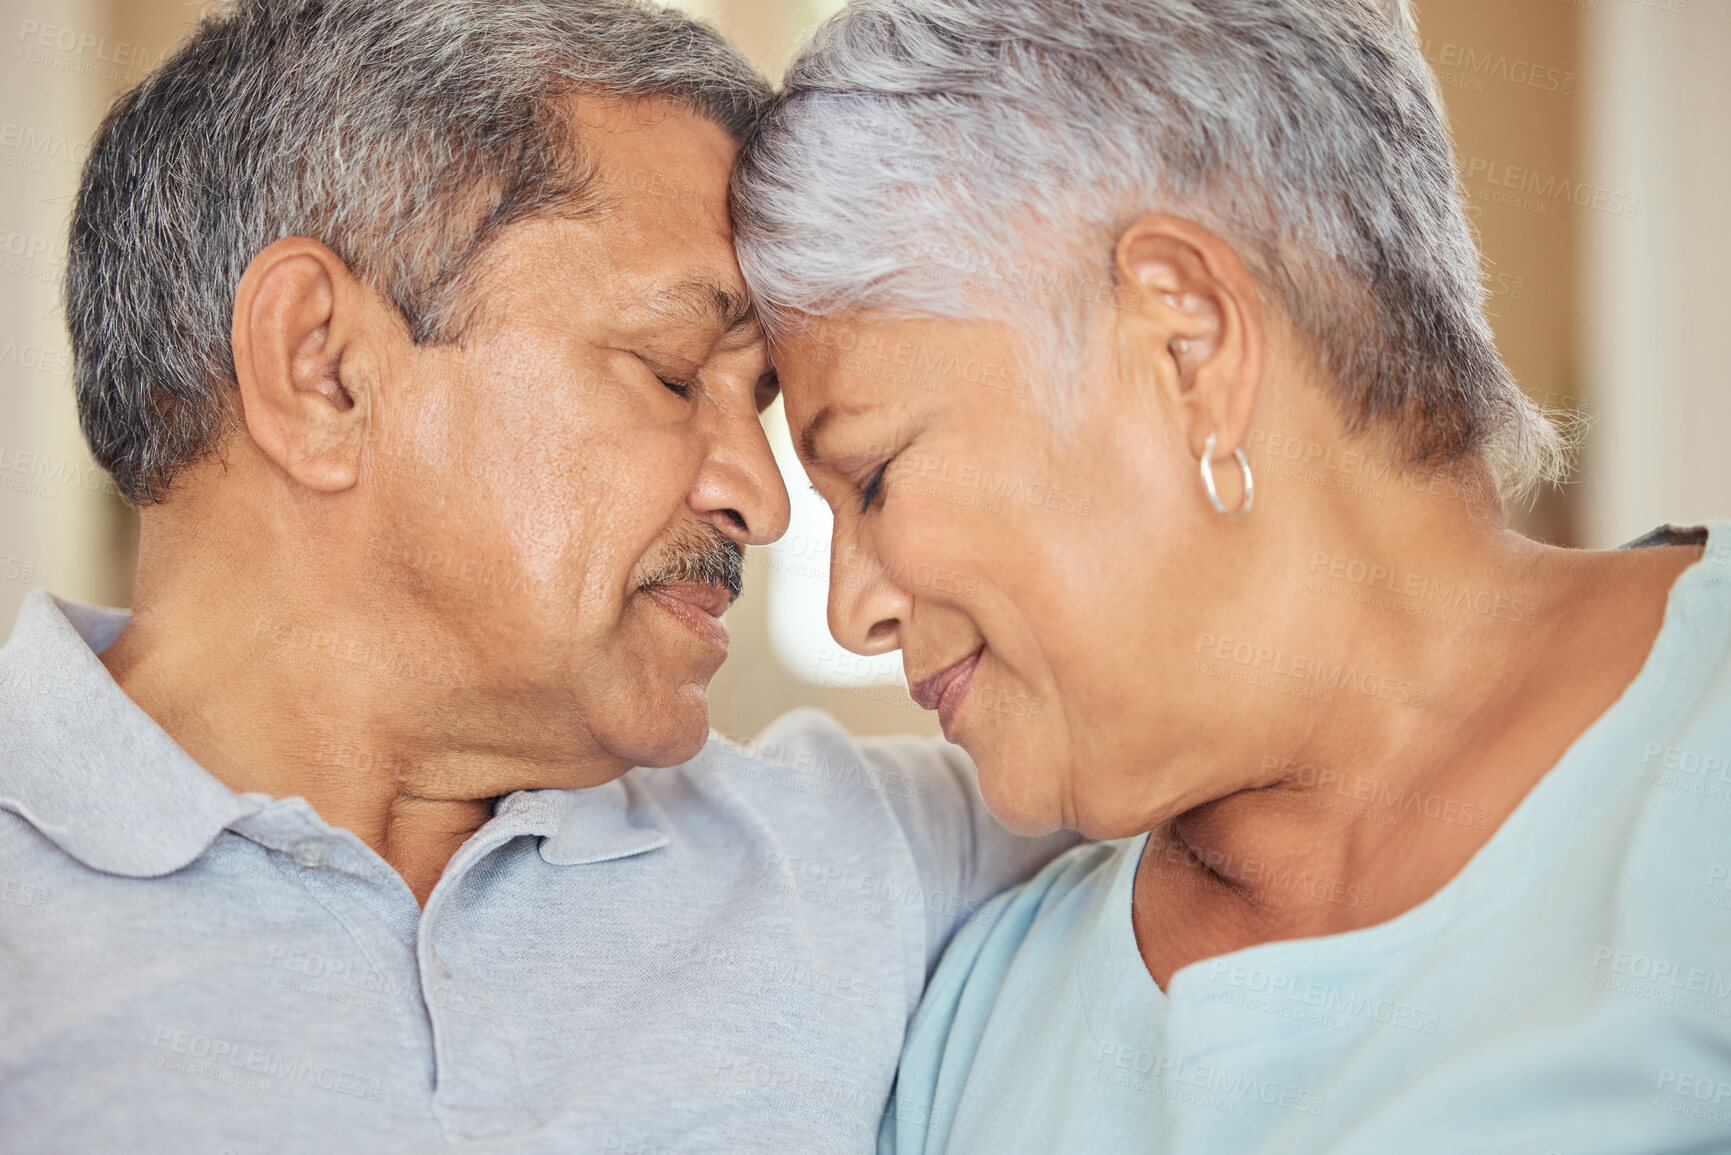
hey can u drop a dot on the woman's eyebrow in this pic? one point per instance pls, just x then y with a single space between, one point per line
807 441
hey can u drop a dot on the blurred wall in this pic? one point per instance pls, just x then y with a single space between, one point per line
1510 76
57 518
61 524
1656 353
767 30
1593 136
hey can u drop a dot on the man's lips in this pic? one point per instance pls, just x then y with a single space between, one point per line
698 606
944 690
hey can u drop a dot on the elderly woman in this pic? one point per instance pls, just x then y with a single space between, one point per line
1159 322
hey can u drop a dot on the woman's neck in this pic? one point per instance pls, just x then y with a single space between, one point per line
1364 806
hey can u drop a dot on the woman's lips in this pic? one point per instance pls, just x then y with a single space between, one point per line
697 606
945 690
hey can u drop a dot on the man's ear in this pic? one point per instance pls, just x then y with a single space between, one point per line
298 313
1194 327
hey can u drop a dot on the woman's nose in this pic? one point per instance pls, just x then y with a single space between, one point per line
866 607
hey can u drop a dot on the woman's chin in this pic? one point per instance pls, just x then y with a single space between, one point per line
1020 797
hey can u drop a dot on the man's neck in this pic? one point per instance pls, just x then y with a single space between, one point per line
286 683
264 707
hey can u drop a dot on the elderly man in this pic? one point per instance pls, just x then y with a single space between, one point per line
414 329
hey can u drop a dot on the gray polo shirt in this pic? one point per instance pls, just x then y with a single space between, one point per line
714 957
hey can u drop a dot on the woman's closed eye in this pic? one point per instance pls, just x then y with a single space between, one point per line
873 487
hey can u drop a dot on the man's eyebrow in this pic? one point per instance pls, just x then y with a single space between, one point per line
704 300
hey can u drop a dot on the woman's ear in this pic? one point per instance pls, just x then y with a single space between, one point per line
1192 327
299 314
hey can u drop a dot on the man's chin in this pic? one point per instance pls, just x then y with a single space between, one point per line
675 754
667 735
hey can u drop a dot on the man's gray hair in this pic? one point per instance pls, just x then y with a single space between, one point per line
925 155
405 134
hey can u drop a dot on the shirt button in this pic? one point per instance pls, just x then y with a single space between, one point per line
312 854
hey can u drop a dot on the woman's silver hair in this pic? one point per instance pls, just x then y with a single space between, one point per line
405 134
960 157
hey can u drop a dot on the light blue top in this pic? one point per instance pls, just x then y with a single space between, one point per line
718 957
1568 992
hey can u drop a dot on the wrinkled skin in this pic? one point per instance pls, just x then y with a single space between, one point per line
419 577
1121 658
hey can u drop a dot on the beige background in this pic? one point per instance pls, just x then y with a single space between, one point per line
1615 318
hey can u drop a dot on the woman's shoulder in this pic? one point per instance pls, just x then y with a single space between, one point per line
1071 893
1010 972
1689 667
1047 926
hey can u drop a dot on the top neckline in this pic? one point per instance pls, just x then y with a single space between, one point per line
1688 637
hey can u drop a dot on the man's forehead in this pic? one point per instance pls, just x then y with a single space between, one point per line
613 113
661 171
577 265
654 148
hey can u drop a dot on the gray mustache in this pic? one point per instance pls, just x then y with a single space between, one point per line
700 553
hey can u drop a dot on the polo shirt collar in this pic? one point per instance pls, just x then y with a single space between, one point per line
101 780
597 824
84 765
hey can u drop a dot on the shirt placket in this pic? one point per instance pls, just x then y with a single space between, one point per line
374 912
480 1091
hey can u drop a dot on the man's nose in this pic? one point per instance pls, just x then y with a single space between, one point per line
739 489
